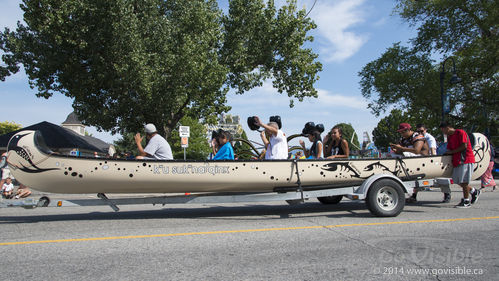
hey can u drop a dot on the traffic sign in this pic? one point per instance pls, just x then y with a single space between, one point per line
184 131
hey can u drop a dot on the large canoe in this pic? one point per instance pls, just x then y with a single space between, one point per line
33 164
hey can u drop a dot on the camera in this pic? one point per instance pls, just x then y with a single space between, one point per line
311 127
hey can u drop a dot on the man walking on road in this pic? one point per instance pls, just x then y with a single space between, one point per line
459 146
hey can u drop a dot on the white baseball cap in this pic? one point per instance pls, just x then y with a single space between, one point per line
150 128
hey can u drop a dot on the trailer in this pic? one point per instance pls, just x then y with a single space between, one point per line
384 196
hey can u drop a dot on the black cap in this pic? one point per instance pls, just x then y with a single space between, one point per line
444 124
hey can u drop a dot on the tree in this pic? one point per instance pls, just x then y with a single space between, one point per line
199 148
126 63
7 127
464 29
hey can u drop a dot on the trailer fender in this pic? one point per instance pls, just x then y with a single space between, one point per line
364 187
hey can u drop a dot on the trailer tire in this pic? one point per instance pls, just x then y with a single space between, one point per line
385 198
44 201
330 199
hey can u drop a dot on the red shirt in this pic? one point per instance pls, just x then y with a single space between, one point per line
454 141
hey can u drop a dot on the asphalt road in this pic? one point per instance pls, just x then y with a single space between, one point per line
270 241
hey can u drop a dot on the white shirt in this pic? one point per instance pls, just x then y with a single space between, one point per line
159 148
432 143
278 147
8 187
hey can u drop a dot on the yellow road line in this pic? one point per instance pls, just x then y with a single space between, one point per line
241 231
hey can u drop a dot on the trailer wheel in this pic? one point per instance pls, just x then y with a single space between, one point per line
385 198
43 201
330 199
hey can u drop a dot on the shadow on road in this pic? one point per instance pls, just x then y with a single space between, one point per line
244 212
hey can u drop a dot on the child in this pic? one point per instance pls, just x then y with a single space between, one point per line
225 152
315 151
8 188
337 147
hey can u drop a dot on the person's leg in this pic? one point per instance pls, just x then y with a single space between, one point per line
466 190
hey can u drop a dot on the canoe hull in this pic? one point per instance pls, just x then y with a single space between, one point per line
33 165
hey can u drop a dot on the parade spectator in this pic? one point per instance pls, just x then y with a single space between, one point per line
157 147
432 143
487 179
225 152
23 191
276 147
8 188
336 146
459 146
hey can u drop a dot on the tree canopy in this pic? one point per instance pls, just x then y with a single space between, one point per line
407 78
7 127
126 63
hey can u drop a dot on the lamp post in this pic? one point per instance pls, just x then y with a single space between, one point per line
453 80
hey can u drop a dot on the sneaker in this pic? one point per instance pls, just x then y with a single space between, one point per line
447 198
474 196
464 204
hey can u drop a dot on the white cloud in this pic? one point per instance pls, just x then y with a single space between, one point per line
336 100
334 22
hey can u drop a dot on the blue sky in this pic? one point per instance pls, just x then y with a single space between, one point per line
350 34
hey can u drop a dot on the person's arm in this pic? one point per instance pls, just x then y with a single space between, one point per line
271 129
306 152
396 148
264 139
418 145
138 140
320 153
214 146
460 148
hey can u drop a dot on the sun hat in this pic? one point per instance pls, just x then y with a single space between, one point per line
150 128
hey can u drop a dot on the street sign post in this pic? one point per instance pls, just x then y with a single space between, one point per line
184 132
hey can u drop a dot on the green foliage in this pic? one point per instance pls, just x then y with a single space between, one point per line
407 78
198 142
263 43
126 63
7 127
127 144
